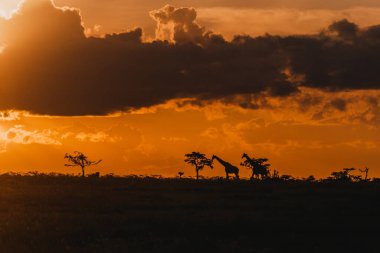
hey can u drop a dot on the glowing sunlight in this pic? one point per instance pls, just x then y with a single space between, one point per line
7 7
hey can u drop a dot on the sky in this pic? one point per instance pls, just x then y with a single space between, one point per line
139 84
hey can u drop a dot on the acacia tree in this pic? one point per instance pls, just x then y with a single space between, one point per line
258 166
345 175
199 161
80 160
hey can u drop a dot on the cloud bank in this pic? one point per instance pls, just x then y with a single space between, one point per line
50 67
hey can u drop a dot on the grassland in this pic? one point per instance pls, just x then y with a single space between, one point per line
70 214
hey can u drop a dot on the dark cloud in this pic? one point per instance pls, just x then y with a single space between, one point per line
345 61
50 67
131 36
345 29
339 104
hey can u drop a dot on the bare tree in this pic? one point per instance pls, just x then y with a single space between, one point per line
366 170
80 160
199 161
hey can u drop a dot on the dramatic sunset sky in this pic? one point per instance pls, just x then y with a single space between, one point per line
139 83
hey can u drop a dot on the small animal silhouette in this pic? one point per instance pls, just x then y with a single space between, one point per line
230 169
94 175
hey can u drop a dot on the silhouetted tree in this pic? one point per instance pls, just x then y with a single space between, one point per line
344 175
310 179
366 170
199 161
180 174
80 160
259 166
275 174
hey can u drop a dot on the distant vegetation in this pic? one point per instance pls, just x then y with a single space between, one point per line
259 167
337 177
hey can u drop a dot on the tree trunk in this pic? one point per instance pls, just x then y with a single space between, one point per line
82 171
197 170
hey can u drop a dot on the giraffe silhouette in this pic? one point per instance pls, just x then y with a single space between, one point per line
258 168
230 169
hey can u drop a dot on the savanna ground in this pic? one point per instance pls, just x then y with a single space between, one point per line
71 214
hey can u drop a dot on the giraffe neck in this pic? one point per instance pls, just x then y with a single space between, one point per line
248 158
220 161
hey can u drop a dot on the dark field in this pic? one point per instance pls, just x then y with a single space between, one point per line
68 214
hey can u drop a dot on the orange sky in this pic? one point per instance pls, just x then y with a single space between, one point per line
223 16
308 132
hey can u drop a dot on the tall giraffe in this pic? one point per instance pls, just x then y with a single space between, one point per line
258 169
230 169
